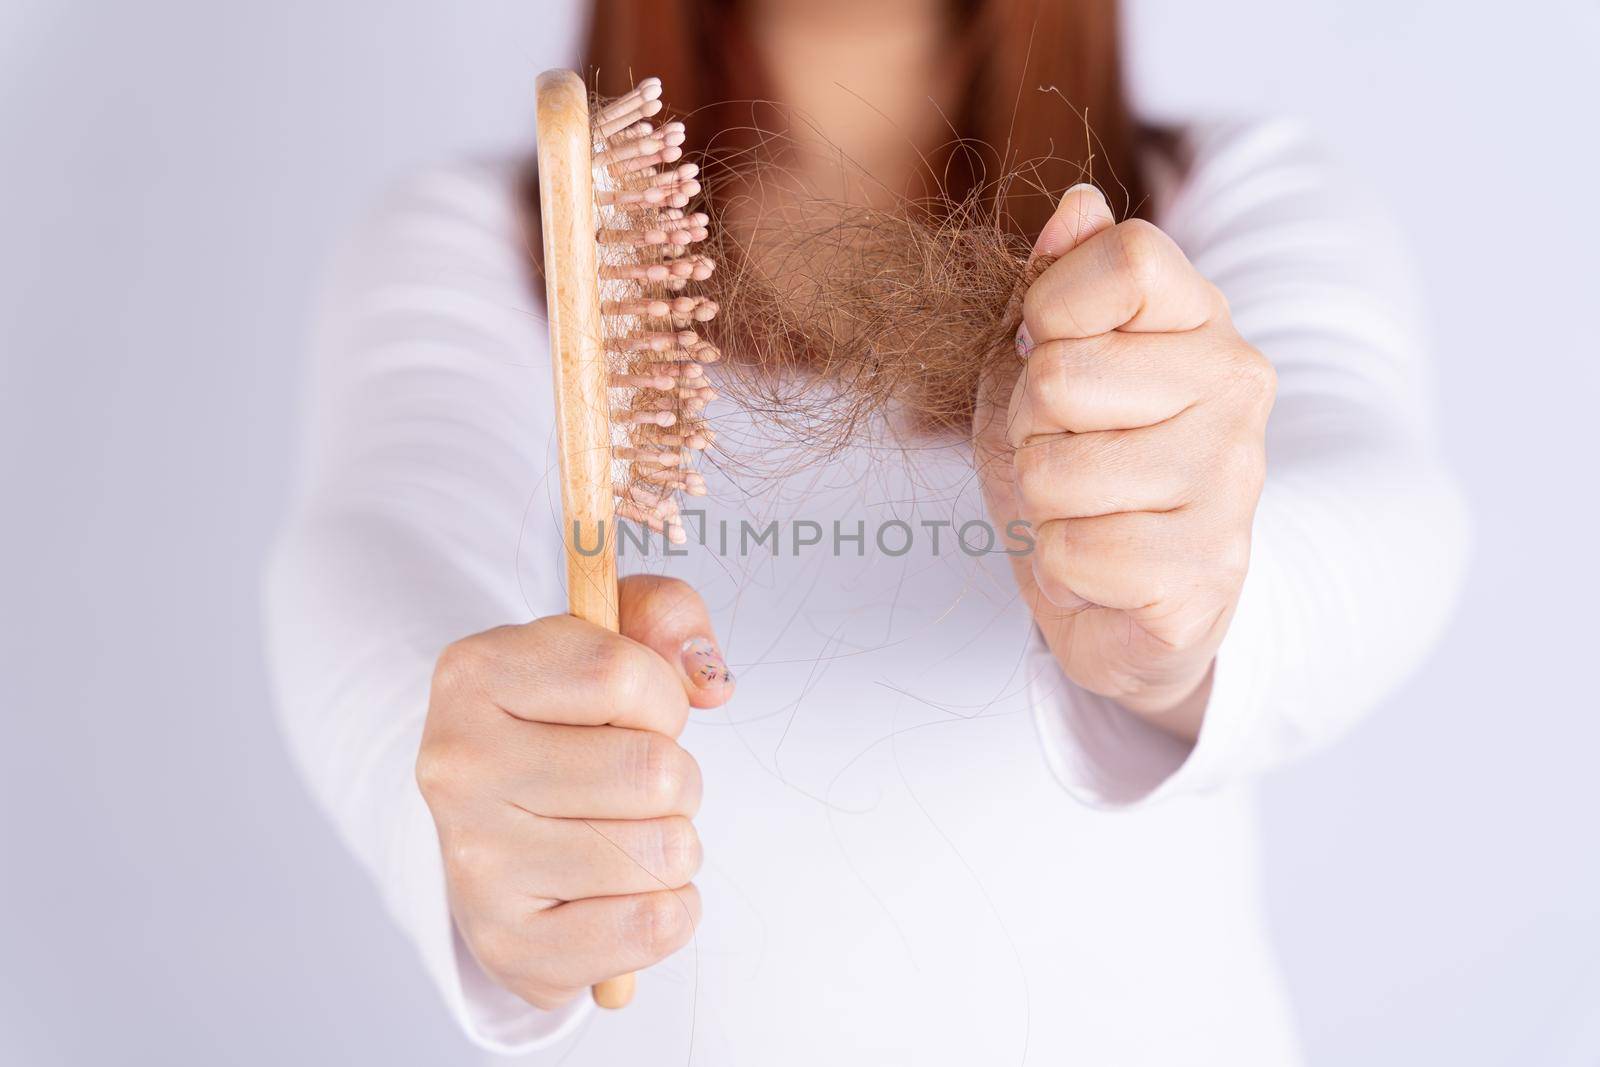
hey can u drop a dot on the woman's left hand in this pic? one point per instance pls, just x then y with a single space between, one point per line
1131 437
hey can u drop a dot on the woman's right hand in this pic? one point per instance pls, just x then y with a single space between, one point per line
562 799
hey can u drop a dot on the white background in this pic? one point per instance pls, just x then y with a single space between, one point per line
173 172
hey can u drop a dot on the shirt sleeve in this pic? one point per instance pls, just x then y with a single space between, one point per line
1360 535
429 426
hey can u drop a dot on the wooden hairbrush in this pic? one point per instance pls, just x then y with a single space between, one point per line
630 384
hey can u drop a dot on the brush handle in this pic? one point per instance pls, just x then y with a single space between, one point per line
578 358
577 354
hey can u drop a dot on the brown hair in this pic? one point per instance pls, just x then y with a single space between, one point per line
1043 75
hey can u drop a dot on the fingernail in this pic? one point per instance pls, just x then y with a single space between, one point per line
1090 186
704 664
1024 342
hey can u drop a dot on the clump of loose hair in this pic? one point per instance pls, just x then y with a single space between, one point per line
877 310
838 316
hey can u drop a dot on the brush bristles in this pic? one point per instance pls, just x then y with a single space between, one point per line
645 237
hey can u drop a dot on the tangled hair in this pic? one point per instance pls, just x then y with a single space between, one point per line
837 316
841 319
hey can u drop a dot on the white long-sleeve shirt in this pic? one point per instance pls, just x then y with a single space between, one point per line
923 844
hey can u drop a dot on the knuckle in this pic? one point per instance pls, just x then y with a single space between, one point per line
459 668
657 601
660 923
1033 303
1267 377
471 860
1219 300
679 851
1050 569
1044 377
1234 560
619 672
1032 474
1156 585
658 771
1050 583
1140 249
1255 375
438 769
1050 382
1061 389
1153 573
1259 372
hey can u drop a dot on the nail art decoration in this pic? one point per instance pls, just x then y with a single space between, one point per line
1024 342
704 664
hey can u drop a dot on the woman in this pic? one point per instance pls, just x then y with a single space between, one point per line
958 807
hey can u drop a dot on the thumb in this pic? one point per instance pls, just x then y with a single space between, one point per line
1082 213
668 616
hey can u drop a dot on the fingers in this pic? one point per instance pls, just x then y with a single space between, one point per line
1130 277
571 859
598 772
1119 381
1082 213
550 766
1195 459
669 617
620 934
563 670
1088 560
1074 476
1139 560
560 951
